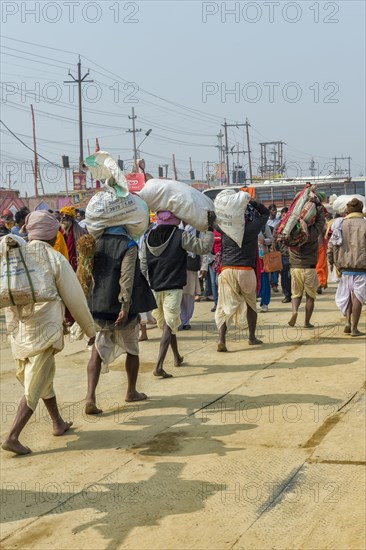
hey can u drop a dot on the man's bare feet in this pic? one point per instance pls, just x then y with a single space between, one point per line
14 446
292 321
61 428
221 347
254 342
143 338
161 373
347 329
308 325
178 361
91 408
357 333
136 396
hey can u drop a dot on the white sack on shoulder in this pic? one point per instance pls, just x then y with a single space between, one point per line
187 203
103 167
230 208
26 276
339 204
105 209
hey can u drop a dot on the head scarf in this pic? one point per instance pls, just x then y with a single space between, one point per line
41 226
321 195
8 215
167 218
68 211
354 206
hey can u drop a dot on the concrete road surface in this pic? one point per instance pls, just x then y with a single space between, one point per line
259 448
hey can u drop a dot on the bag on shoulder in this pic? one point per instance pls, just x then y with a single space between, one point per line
25 274
272 262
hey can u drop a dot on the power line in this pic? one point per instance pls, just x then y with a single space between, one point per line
27 146
38 45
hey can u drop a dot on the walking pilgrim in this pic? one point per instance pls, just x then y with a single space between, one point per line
237 301
164 262
347 252
34 349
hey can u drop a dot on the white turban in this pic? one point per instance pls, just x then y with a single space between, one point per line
41 226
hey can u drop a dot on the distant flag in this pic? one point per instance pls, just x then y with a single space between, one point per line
97 148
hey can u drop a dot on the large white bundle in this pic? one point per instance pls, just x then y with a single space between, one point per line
103 167
339 204
230 208
106 209
25 273
187 203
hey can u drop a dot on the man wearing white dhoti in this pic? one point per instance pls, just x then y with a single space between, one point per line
347 252
37 339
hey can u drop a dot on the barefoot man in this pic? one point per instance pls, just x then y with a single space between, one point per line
347 251
164 261
238 282
304 278
118 295
36 340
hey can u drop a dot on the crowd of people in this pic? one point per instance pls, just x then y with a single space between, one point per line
158 280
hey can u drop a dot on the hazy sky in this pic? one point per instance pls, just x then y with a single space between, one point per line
296 70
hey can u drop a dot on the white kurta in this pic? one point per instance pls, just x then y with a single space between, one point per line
44 329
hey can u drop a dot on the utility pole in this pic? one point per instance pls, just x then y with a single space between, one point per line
66 183
237 163
227 154
35 166
226 126
312 168
134 132
9 175
340 171
166 166
40 178
268 169
91 177
79 80
175 168
220 146
191 172
249 151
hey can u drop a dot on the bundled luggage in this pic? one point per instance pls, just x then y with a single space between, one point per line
293 229
185 202
114 205
26 276
339 204
104 168
106 209
230 208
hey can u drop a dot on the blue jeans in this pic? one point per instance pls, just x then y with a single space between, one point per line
274 279
214 283
265 293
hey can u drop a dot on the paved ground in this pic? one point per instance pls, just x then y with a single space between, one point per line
260 448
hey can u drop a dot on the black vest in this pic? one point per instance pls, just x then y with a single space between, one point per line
169 270
103 297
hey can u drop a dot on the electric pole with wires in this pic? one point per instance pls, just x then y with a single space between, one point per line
134 131
226 126
79 81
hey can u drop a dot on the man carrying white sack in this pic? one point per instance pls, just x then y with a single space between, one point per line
347 251
35 341
238 282
118 294
164 260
